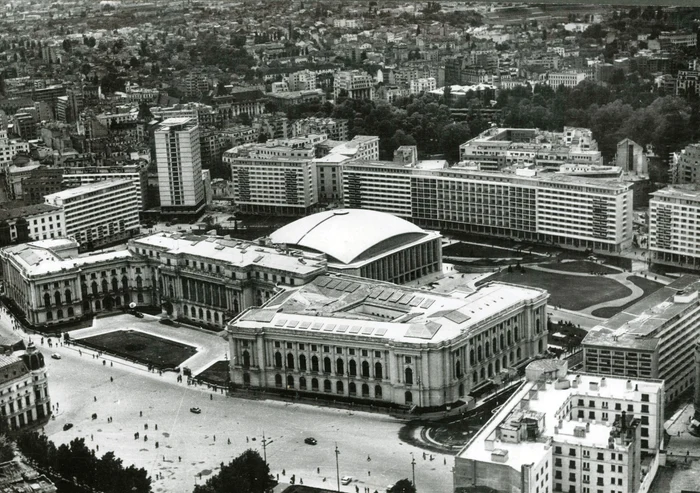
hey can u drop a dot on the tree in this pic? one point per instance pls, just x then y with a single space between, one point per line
246 473
67 45
451 137
402 486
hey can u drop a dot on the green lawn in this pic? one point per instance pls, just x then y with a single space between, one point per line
647 286
144 348
217 373
580 266
566 291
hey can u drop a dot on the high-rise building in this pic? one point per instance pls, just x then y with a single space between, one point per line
100 213
179 167
688 166
673 227
564 432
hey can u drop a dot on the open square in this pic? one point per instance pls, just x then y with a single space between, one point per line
141 347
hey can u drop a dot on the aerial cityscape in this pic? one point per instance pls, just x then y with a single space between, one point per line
381 246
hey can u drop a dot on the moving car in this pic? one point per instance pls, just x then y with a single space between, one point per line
346 480
67 426
136 314
310 441
56 356
195 410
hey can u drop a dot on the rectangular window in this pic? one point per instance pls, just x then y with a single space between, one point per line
314 347
301 347
326 349
339 350
277 344
351 352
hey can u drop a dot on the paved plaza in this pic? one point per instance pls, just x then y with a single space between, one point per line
193 444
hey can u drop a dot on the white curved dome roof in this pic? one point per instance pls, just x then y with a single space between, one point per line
344 234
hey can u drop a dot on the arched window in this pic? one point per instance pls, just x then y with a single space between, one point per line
515 333
326 385
326 364
125 283
461 390
67 294
246 379
314 363
115 284
458 369
537 326
171 291
408 396
365 369
57 297
216 317
86 306
512 358
352 388
194 312
497 366
278 380
208 315
482 373
539 346
84 290
340 366
302 363
487 348
314 384
378 391
95 290
408 376
246 359
98 305
59 314
478 353
139 298
365 390
139 282
475 378
471 356
290 382
302 383
278 360
352 368
494 346
339 387
118 300
70 311
201 312
47 299
505 361
290 361
503 340
49 315
510 338
378 370
518 353
105 286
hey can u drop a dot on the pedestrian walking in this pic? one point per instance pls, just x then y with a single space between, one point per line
156 426
91 437
111 379
95 398
140 413
179 459
98 447
211 397
229 441
318 470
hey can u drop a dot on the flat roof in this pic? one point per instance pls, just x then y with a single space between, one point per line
238 252
549 404
39 259
89 188
636 327
689 191
344 304
26 210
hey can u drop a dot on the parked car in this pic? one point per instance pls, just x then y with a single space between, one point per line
136 314
67 426
195 410
56 356
167 321
310 441
346 480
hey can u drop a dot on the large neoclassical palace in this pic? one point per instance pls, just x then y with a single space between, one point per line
368 340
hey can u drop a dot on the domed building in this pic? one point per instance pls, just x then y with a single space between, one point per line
366 243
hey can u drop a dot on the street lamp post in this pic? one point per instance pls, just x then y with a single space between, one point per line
413 469
265 443
337 467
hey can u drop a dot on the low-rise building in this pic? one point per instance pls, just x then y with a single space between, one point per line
565 432
354 84
352 339
653 338
30 222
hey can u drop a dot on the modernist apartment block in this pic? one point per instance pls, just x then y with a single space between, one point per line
100 213
552 208
366 243
278 177
653 338
674 226
81 175
566 433
24 390
202 279
498 148
348 337
179 162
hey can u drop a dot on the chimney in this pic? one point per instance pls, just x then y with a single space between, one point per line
629 384
603 382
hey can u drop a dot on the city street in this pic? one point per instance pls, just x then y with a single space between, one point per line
193 444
